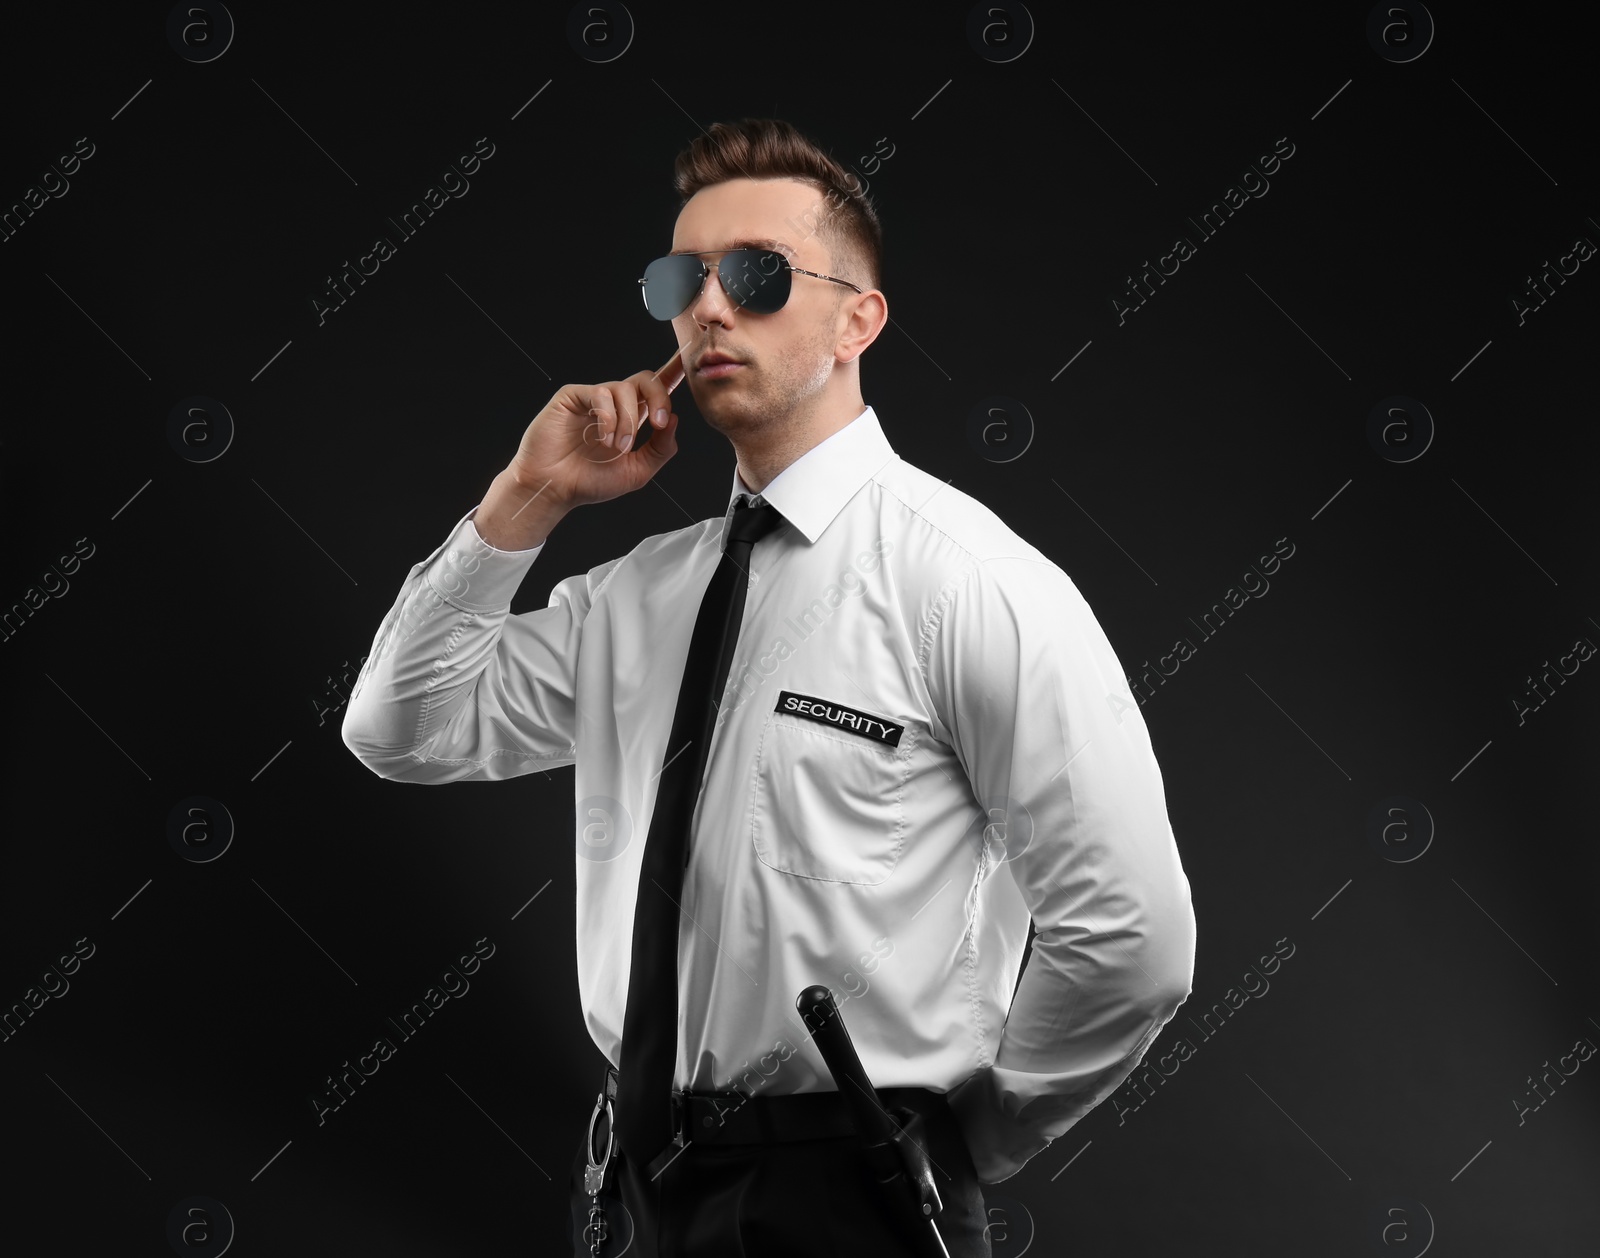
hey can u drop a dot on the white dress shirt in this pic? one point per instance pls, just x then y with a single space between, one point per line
925 738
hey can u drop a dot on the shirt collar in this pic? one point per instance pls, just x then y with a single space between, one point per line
813 489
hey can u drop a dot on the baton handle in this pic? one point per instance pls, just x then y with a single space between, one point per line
821 1016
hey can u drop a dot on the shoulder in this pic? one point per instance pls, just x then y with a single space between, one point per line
660 552
959 542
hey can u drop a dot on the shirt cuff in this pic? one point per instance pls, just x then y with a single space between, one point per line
1000 1145
470 574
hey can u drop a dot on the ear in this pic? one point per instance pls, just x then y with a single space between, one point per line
863 316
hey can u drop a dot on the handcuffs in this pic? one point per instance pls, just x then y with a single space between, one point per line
595 1231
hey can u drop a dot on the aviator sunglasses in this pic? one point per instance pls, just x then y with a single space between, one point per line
757 279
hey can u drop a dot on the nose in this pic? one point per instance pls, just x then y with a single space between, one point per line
711 304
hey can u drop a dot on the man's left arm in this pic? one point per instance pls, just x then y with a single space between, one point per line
1040 715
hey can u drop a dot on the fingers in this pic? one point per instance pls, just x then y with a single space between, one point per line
630 415
602 416
620 407
610 407
656 389
672 373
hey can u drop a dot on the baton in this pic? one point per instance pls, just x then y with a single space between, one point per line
897 1160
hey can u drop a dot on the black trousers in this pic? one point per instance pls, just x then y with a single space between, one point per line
794 1199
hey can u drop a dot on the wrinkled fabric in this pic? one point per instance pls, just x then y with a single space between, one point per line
925 738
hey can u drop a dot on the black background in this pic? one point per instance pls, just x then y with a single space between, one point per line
1386 1069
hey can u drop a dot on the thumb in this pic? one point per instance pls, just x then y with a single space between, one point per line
662 446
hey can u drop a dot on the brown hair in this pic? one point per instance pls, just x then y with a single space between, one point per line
770 148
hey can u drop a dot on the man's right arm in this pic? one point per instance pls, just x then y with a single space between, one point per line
457 688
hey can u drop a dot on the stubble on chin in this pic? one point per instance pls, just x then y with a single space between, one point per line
732 407
733 417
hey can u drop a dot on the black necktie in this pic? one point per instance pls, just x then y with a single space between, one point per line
650 1025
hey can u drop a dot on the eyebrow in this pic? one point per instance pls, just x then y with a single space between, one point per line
745 243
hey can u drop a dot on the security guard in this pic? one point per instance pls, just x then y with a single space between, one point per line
854 731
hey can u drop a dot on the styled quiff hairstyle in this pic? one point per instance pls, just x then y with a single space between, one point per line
769 148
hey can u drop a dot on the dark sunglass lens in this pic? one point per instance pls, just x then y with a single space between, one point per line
755 278
670 284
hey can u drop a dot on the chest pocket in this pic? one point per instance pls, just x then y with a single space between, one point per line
828 805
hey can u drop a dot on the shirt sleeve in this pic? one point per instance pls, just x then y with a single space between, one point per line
457 688
1040 715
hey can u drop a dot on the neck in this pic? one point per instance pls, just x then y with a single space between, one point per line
761 456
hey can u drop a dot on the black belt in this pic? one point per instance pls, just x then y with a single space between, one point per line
741 1118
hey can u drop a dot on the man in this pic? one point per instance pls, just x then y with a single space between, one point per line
923 738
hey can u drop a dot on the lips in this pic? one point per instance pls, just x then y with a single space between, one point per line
716 365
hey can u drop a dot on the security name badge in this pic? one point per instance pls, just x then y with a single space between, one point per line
851 720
